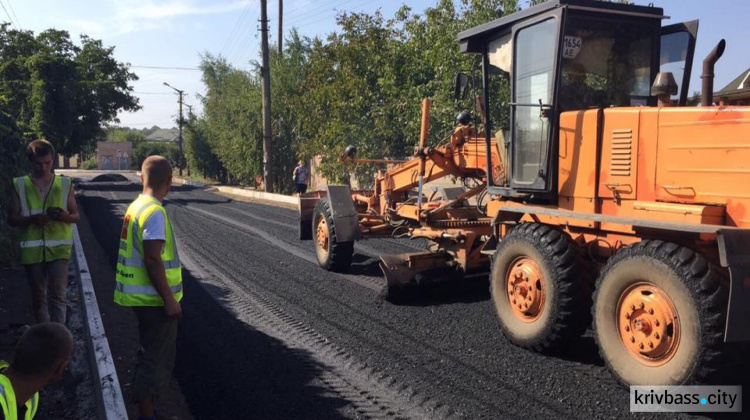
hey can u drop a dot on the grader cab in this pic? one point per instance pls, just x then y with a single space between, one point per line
611 204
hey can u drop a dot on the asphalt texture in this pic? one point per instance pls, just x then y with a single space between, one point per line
267 333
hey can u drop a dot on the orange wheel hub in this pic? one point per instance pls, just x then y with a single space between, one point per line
525 288
648 324
321 236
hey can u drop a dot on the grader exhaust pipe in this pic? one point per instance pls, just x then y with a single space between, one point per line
708 73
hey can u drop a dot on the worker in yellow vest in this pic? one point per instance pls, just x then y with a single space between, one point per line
39 359
44 207
149 279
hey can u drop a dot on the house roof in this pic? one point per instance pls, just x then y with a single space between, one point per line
737 88
164 134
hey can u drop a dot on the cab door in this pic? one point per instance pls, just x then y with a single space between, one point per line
535 61
676 55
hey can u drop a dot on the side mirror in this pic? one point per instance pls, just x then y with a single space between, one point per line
463 86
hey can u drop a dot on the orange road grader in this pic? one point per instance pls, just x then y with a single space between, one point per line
609 204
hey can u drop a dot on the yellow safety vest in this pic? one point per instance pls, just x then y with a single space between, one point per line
54 240
133 287
8 398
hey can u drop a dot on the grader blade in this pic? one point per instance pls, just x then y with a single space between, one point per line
404 273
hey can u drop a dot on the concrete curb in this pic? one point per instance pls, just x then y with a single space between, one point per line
259 195
189 182
110 402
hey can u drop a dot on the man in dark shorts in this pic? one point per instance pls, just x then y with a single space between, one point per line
301 177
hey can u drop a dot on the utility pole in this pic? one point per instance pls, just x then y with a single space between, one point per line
265 74
181 163
281 24
190 114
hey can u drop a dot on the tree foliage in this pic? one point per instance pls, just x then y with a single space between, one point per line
61 91
363 85
52 88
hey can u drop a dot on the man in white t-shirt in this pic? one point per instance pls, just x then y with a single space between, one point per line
149 279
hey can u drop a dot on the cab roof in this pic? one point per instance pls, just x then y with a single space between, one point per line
472 40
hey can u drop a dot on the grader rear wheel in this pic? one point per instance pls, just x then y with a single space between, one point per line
537 289
659 313
332 254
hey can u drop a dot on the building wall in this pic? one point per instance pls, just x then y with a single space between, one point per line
64 162
114 155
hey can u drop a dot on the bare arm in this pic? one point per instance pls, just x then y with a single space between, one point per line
158 276
71 216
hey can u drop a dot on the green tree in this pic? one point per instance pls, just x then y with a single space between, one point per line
168 150
363 85
61 91
198 152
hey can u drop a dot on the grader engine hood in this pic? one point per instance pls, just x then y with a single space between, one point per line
703 156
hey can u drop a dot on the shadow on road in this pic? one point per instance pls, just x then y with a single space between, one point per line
466 290
364 265
227 369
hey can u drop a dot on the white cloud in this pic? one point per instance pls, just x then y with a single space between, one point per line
127 16
129 9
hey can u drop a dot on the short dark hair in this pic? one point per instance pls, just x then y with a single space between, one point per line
40 349
39 148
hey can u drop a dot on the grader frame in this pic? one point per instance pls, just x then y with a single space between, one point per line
617 206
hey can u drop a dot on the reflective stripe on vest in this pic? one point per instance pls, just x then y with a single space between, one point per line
133 287
140 263
40 243
54 240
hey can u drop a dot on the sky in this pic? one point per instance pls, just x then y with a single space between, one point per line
163 40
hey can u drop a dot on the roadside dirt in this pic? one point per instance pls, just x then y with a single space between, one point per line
73 397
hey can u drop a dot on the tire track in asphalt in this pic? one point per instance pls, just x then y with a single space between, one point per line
371 284
370 396
397 340
359 246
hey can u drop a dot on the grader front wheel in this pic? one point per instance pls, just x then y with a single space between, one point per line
659 313
332 254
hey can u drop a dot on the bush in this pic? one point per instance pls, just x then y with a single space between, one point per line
90 163
168 150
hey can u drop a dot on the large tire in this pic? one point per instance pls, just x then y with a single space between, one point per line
675 284
332 254
557 303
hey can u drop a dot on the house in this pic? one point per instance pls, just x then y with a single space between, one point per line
164 135
114 155
737 92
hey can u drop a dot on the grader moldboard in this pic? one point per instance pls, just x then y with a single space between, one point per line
615 202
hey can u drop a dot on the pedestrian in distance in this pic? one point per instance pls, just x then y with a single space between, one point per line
149 279
39 359
301 176
43 206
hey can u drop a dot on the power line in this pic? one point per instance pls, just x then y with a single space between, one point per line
234 28
243 40
311 15
18 23
351 10
8 14
230 42
303 11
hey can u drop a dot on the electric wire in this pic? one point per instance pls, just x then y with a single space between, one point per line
18 23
